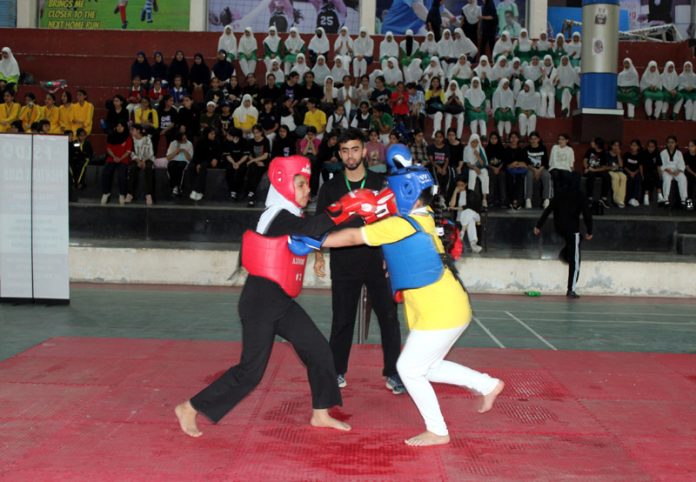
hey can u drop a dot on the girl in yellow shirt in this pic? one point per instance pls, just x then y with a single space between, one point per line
65 113
436 304
30 112
51 113
83 112
9 111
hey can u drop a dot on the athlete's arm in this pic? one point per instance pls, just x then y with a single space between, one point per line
344 237
420 10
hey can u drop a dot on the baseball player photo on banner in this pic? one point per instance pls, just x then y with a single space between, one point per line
305 15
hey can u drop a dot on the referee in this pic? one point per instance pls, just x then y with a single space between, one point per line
567 205
353 267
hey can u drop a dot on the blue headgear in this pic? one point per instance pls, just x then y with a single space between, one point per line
405 180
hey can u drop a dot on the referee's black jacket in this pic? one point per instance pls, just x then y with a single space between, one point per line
567 205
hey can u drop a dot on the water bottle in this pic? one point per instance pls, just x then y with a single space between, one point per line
533 293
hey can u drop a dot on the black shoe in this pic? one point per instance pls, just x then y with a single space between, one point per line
142 15
573 295
115 9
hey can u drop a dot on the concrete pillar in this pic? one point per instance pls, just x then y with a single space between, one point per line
368 11
600 50
198 19
537 18
27 14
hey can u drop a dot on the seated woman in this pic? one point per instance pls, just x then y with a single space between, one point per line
567 84
435 103
527 106
388 48
429 47
228 43
542 46
484 72
445 51
574 50
503 47
321 70
463 45
82 113
504 108
392 74
343 46
272 47
142 159
461 72
248 52
628 88
9 70
338 71
687 92
651 90
245 116
409 49
199 77
52 114
206 155
223 70
294 45
670 87
318 45
30 112
522 47
454 107
300 66
141 68
548 89
475 104
559 49
363 52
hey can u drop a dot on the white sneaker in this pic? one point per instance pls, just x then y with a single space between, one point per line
476 248
621 205
634 203
193 196
105 198
646 200
546 203
484 203
528 204
199 196
175 191
121 199
660 198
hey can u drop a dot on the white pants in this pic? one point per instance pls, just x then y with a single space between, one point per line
359 69
422 361
547 104
630 109
504 128
688 109
437 123
649 107
667 179
460 123
527 124
566 98
483 176
475 125
468 219
248 67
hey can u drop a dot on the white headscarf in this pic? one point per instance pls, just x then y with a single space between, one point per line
483 67
670 80
321 71
318 44
687 78
364 46
294 44
499 71
567 76
227 41
543 44
434 70
462 71
515 71
628 77
456 92
469 157
388 47
300 67
475 95
241 112
548 71
523 42
338 70
560 43
392 75
247 44
574 47
503 97
413 72
651 79
329 88
343 38
463 45
531 71
445 47
278 72
503 46
414 46
373 75
429 45
9 66
275 202
528 100
272 39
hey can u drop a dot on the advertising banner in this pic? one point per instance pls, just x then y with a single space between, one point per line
305 15
115 14
397 16
648 13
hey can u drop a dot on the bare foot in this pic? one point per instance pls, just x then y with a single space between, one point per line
322 419
186 415
426 439
489 400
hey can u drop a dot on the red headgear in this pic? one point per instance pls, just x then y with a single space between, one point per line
282 172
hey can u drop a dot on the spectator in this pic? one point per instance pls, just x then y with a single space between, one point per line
651 89
523 46
651 176
205 156
471 16
375 150
141 68
259 158
347 96
475 102
673 168
228 43
489 26
135 94
116 112
363 51
157 93
409 49
670 87
363 92
628 88
567 83
413 73
467 218
269 120
435 103
167 122
495 152
548 91
337 121
429 48
574 50
392 74
461 72
294 47
82 113
188 119
380 94
558 51
330 99
456 153
419 148
309 148
199 76
272 48
690 165
252 89
159 69
445 51
532 71
537 170
328 160
9 70
271 91
382 121
287 116
119 147
504 107
226 120
543 46
215 93
477 162
30 112
439 160
178 92
315 117
179 66
276 72
148 120
528 103
285 144
248 52
143 159
179 155
617 174
388 48
222 69
687 92
463 46
318 46
80 154
416 107
300 66
210 118
595 164
52 114
503 47
321 70
399 103
516 171
561 160
433 20
235 154
454 107
309 89
65 112
338 71
633 168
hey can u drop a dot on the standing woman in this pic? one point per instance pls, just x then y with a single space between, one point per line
504 108
294 46
651 90
471 16
179 66
363 52
247 52
272 48
119 147
489 26
475 102
228 43
628 88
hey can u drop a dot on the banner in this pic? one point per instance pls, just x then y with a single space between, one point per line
648 13
397 16
115 14
305 15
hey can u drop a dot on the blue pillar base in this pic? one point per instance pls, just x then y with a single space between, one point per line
598 90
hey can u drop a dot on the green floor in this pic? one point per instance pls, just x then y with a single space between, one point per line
519 322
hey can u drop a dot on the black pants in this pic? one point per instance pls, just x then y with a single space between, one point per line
254 173
235 177
634 187
606 183
198 176
487 42
345 295
471 31
258 333
108 171
78 167
571 254
498 187
133 177
515 187
176 169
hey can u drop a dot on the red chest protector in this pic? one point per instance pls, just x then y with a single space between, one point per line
271 258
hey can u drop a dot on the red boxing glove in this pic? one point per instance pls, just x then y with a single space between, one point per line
360 202
385 206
